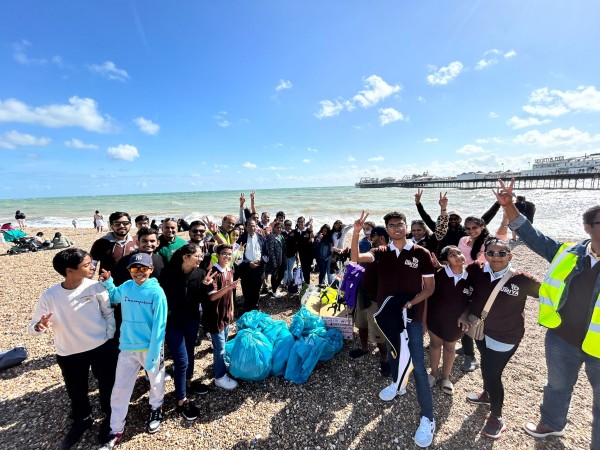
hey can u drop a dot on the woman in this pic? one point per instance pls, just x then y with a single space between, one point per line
323 250
60 241
420 234
182 281
218 312
504 325
304 238
338 236
98 222
450 298
291 249
472 245
20 216
277 258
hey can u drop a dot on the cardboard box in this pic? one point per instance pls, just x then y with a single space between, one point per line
340 319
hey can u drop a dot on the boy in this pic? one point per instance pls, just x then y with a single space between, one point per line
82 321
144 310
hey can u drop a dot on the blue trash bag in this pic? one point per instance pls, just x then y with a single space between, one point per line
304 356
304 321
251 355
229 348
254 320
334 341
282 346
271 330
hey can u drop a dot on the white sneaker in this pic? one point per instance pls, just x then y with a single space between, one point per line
278 294
389 393
424 434
225 382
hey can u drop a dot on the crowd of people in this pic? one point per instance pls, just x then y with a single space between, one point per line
155 288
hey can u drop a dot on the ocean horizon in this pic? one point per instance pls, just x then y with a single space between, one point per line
558 211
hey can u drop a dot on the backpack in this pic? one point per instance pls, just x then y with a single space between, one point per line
349 286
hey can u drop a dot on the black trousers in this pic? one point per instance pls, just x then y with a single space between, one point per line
75 371
306 261
277 277
251 279
492 366
467 345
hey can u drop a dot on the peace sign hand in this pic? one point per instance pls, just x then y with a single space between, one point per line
242 200
418 196
443 200
209 278
358 224
504 194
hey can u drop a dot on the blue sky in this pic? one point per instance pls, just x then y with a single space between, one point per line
114 97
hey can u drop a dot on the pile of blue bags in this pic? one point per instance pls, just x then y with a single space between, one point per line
264 346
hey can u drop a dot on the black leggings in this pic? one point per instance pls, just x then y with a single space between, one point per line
467 345
492 366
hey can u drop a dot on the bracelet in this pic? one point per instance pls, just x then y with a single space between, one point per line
443 210
409 305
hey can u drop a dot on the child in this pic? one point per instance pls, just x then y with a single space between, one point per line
82 321
217 313
144 310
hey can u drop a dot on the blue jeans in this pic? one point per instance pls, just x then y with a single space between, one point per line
415 346
218 343
289 274
181 343
324 270
563 362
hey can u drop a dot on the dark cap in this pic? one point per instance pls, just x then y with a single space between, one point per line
141 259
379 231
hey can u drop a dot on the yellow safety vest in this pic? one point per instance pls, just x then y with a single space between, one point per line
551 291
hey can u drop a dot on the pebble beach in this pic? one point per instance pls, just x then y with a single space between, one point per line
338 408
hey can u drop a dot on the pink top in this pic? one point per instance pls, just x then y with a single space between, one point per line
466 250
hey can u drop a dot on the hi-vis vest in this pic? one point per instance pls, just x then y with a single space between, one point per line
551 291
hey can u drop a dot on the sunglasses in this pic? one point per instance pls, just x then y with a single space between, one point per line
121 224
142 269
501 253
198 231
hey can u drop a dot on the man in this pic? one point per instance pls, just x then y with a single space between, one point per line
570 309
252 267
365 244
221 235
264 223
199 237
148 243
142 221
169 241
404 270
367 305
109 249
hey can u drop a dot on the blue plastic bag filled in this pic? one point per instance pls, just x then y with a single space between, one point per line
334 341
304 321
255 320
282 347
251 355
304 356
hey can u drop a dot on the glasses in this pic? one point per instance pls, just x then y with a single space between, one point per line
198 231
125 223
396 226
501 253
142 269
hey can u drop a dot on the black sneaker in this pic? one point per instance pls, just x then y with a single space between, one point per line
384 369
357 353
198 388
104 431
493 428
156 418
188 410
75 432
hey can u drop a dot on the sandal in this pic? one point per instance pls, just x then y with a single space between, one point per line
432 380
447 387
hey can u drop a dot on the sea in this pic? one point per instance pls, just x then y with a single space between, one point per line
558 211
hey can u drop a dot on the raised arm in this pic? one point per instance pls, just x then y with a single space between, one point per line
252 204
426 217
355 255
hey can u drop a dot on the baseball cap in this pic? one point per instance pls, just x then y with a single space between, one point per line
379 231
454 212
141 259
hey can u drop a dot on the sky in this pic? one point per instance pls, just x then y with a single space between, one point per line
124 96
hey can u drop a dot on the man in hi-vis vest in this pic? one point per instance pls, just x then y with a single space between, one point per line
570 309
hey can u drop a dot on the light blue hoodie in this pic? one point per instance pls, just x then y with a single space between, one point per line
144 311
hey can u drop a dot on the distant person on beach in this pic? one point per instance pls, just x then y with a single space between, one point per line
570 309
526 208
98 222
110 248
323 245
291 251
338 236
504 324
144 308
277 263
253 264
405 272
306 253
20 216
183 225
169 241
74 222
79 314
60 241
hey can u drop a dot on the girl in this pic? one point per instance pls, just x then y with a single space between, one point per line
323 249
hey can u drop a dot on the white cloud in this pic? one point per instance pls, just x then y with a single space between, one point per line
483 63
493 115
376 158
444 75
376 89
331 108
493 140
516 122
249 165
421 99
277 168
557 137
389 115
20 55
76 143
430 140
469 149
312 150
109 70
510 54
554 103
221 166
123 151
147 126
283 85
221 119
351 158
80 112
13 139
307 161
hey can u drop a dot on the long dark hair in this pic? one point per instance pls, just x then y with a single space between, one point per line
478 242
327 238
177 258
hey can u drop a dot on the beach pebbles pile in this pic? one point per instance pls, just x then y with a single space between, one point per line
338 408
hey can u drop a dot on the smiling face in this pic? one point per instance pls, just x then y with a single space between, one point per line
120 227
473 229
251 227
277 229
453 221
417 231
140 274
169 230
224 257
85 269
192 260
396 229
493 255
148 243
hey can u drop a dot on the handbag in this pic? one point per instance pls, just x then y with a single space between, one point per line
475 331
